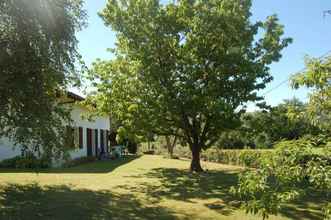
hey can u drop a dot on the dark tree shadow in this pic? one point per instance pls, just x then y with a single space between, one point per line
307 207
186 186
92 167
33 202
182 185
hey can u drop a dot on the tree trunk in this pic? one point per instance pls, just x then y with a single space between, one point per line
149 145
170 146
195 163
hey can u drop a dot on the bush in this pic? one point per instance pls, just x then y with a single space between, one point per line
245 157
232 140
262 141
249 158
288 173
9 163
320 140
27 162
149 152
132 147
79 161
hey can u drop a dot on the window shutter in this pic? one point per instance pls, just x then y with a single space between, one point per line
89 142
102 146
80 131
107 140
96 142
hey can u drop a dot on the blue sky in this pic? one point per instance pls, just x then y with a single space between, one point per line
303 21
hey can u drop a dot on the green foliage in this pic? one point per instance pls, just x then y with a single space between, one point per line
244 157
317 77
37 60
262 129
132 147
248 158
320 140
280 122
191 67
295 167
262 140
79 161
291 171
26 162
232 140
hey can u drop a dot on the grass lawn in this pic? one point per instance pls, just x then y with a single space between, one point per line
147 187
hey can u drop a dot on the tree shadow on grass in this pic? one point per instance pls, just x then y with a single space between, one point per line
92 167
62 202
308 207
185 186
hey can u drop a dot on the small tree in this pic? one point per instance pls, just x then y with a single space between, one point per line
294 167
197 62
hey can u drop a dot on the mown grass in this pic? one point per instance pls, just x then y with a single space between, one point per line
147 187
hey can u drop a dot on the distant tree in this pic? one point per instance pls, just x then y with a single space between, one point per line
234 139
171 144
283 121
197 62
38 53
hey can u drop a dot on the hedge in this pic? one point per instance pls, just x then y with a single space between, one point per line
246 157
27 162
239 157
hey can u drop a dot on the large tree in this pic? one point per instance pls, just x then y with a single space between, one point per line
38 53
197 62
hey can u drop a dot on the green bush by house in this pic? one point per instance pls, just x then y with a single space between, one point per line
26 162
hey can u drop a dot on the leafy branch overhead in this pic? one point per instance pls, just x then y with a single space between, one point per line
317 77
37 62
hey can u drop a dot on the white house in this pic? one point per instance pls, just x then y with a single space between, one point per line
90 138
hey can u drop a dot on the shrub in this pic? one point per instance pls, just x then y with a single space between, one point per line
149 152
247 157
26 162
79 161
232 140
132 147
320 140
9 163
285 175
262 141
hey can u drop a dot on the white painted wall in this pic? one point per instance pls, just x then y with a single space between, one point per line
98 123
7 149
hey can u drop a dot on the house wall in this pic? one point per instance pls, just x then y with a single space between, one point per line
7 149
98 123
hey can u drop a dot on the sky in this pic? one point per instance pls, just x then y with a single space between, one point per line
303 21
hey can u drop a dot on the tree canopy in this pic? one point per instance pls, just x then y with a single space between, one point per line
317 77
196 63
37 62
